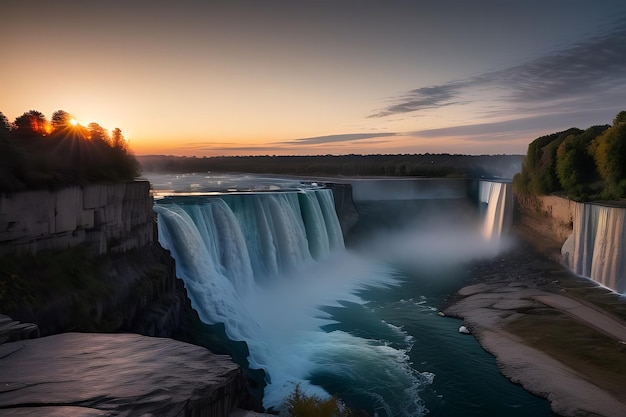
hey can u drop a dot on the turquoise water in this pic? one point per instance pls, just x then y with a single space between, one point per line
267 271
465 380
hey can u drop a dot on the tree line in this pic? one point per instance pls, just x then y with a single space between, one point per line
37 153
422 165
579 164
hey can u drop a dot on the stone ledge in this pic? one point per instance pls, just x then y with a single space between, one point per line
11 330
116 374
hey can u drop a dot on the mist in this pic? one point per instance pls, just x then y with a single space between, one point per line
283 312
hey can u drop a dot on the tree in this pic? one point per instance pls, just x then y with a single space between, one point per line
620 118
11 159
5 127
97 132
117 139
61 120
610 156
299 404
123 163
575 166
566 170
540 162
32 122
66 156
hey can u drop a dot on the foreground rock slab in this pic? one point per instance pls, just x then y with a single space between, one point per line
115 375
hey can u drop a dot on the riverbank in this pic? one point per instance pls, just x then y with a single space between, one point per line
558 335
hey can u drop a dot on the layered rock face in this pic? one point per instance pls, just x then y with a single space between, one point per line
115 375
130 286
548 216
138 290
344 206
107 218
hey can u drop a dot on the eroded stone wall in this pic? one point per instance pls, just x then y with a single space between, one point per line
547 221
344 206
106 218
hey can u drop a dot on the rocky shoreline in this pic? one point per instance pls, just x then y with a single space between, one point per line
519 285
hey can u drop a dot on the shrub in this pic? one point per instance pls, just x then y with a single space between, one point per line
301 405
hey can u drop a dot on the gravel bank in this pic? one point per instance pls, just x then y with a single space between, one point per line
521 284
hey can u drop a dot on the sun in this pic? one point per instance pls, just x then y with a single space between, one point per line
73 122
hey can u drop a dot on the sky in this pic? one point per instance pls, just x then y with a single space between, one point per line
311 77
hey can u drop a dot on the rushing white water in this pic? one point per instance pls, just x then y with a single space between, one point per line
596 246
249 261
499 199
265 264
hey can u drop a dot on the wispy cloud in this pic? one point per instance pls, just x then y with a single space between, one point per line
347 137
295 145
424 98
519 124
227 147
589 67
594 66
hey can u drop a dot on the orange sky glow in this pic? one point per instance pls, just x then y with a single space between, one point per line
272 78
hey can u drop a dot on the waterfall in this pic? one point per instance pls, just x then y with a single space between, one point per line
499 215
237 241
595 247
264 265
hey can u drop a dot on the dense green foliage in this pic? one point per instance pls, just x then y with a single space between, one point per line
424 165
30 281
35 153
583 165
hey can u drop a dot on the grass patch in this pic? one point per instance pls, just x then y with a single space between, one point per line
33 279
589 291
75 290
599 357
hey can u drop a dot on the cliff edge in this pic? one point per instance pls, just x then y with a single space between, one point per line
87 259
115 375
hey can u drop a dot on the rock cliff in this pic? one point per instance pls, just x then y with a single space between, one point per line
106 218
547 221
87 259
344 206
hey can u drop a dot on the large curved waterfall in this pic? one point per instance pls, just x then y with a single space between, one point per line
254 263
359 323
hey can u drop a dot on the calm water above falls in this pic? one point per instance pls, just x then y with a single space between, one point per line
360 322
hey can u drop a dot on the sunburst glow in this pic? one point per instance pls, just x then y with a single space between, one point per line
262 88
73 122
